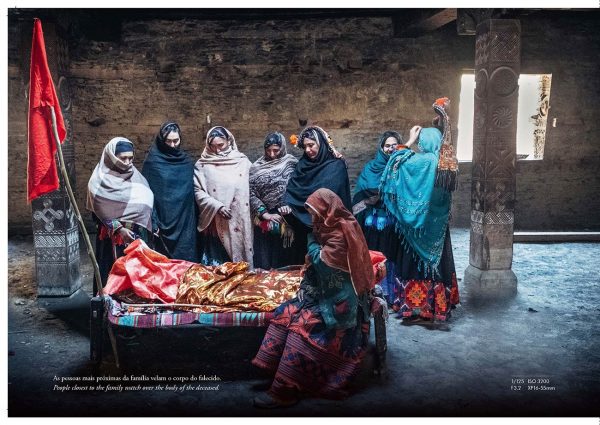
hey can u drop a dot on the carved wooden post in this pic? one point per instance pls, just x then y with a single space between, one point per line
497 68
55 230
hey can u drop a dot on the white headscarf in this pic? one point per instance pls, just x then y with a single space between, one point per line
117 191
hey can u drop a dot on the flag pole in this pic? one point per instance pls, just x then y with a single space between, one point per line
74 204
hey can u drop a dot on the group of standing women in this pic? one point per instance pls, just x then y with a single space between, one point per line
242 211
281 211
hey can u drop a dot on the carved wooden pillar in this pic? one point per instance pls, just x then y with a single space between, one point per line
497 68
55 229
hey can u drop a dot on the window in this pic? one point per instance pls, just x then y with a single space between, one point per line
534 98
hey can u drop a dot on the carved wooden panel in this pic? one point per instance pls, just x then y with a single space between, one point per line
504 81
499 195
499 161
505 42
477 195
482 46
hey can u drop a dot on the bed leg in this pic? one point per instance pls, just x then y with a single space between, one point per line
380 343
97 324
113 343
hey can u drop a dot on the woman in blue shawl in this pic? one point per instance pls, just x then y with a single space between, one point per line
367 206
426 285
169 171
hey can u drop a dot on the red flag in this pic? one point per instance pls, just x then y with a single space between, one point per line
41 168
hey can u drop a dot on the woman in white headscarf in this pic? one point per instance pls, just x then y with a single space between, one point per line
121 201
221 190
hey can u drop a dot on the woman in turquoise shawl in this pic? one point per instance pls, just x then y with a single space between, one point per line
426 285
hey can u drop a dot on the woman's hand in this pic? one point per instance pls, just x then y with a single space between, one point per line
127 235
285 210
288 237
272 217
225 213
414 135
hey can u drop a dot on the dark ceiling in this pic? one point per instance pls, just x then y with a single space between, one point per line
105 24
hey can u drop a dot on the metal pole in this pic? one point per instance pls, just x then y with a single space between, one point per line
65 175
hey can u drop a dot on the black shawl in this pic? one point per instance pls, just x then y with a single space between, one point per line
325 171
170 174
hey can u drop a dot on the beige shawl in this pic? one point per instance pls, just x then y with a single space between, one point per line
223 181
119 192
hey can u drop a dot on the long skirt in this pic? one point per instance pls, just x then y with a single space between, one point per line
269 252
306 358
212 251
185 248
418 295
406 287
387 242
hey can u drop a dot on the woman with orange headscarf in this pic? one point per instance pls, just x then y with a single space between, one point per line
315 342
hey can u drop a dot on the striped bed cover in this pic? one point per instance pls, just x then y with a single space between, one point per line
120 317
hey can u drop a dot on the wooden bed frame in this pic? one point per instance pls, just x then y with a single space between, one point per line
100 326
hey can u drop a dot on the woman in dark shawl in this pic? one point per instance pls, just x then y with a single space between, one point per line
274 244
316 341
170 170
319 167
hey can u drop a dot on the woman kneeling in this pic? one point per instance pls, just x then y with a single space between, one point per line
316 341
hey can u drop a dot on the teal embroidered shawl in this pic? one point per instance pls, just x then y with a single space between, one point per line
420 209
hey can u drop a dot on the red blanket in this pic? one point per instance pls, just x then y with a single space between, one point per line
151 275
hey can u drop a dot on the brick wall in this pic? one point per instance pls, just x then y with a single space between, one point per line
349 75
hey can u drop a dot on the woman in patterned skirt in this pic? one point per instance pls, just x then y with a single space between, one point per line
416 193
316 341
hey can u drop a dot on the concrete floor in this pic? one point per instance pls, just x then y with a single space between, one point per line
549 334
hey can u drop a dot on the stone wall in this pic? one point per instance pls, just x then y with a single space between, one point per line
349 75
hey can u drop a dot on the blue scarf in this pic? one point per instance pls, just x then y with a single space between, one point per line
367 186
421 209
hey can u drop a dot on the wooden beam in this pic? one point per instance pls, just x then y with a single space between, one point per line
424 22
468 19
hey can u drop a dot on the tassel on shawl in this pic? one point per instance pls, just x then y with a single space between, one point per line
429 270
447 171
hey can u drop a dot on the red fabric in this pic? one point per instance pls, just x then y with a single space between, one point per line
41 170
378 262
151 275
343 244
